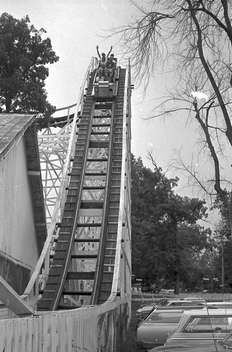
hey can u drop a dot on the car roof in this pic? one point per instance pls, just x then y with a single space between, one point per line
194 298
185 300
201 312
188 307
167 310
219 303
208 311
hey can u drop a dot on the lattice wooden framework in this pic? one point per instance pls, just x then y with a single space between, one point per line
53 147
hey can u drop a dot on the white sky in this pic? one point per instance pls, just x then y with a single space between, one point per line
75 28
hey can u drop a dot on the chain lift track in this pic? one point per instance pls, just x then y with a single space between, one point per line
82 259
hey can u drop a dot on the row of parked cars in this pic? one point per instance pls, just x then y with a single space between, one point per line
187 325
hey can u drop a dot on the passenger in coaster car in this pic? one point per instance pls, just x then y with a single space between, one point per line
102 69
111 67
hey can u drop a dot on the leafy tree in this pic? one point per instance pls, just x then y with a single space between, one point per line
164 230
222 262
24 54
196 253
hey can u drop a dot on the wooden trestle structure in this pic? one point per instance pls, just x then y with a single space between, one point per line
83 277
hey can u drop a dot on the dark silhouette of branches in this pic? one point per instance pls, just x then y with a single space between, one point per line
196 36
182 166
209 72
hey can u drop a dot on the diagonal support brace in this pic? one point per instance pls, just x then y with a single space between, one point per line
12 299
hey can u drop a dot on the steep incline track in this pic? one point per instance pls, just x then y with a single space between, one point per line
63 251
105 267
82 265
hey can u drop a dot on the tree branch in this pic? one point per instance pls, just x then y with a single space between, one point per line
214 17
216 128
217 184
193 174
209 74
227 19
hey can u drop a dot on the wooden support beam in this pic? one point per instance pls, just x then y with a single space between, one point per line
12 300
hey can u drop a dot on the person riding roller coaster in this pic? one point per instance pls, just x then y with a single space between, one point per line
111 67
107 66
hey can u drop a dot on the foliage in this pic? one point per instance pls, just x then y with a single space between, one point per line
24 54
166 241
222 262
196 253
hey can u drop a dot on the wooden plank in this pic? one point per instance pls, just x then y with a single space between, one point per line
98 144
12 300
81 275
91 224
84 256
91 204
91 212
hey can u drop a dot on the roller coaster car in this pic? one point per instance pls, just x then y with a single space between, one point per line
104 89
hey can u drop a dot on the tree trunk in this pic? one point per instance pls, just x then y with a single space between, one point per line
177 258
8 104
177 283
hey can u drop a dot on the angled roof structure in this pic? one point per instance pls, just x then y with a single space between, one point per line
14 127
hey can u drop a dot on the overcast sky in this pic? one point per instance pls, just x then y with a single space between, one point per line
75 28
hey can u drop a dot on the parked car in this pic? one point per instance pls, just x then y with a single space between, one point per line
185 303
154 330
198 302
201 327
193 298
182 304
212 346
222 304
143 311
167 292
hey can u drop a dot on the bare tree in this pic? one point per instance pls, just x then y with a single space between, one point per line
196 35
197 32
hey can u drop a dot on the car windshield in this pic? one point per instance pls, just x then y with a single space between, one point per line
209 324
163 317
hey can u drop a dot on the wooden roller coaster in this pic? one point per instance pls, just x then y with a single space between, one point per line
85 262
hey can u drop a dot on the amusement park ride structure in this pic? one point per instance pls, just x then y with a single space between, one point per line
84 269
